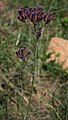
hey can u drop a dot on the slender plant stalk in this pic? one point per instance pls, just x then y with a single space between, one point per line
33 76
38 61
26 116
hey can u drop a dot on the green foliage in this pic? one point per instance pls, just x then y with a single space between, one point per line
15 74
64 22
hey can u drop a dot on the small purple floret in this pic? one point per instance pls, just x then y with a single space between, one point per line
24 48
19 11
22 7
28 54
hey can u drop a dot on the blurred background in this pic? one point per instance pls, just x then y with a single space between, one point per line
50 94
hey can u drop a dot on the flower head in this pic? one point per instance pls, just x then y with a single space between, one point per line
21 53
35 14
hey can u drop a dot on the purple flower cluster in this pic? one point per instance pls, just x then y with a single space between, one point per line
21 53
35 14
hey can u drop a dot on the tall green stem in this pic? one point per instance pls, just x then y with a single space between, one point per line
30 98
